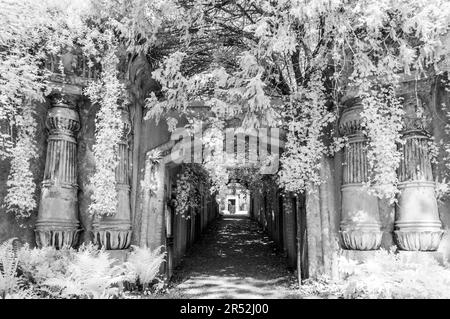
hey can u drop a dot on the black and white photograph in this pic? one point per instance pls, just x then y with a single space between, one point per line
224 158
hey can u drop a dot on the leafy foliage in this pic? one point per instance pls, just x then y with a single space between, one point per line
383 122
307 55
188 192
386 275
9 280
145 263
91 274
39 264
20 199
109 129
264 63
35 32
67 273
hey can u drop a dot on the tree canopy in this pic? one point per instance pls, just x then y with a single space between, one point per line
238 57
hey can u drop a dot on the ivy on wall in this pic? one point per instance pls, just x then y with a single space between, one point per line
31 34
20 199
108 130
306 54
192 184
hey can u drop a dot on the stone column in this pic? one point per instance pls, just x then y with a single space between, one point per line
360 226
114 232
417 224
57 224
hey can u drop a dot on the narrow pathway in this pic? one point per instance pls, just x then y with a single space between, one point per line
234 259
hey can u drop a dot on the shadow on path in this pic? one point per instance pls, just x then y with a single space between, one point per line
234 259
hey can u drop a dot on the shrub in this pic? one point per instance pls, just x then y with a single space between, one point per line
390 275
386 275
67 273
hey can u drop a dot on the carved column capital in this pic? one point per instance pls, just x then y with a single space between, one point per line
417 117
63 117
350 122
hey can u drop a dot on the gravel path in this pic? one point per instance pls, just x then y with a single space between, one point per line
234 259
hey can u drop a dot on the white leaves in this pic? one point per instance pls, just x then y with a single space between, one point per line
175 86
144 263
382 120
90 274
20 198
188 194
8 267
304 148
108 131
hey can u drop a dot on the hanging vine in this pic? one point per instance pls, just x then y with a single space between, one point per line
382 120
108 91
191 180
298 52
20 199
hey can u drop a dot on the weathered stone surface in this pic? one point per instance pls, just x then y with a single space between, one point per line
422 257
417 223
360 220
361 239
418 240
57 223
387 215
86 165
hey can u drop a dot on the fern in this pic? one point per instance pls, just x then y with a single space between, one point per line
22 293
9 281
39 264
385 275
90 275
145 263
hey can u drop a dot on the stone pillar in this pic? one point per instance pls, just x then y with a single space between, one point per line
57 224
417 224
114 232
360 226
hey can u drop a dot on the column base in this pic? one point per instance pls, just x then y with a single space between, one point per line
361 239
112 235
57 238
57 233
112 239
428 240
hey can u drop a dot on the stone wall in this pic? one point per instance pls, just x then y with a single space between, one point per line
86 165
440 103
9 227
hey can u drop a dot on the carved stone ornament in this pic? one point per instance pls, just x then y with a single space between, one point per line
57 224
417 224
360 227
